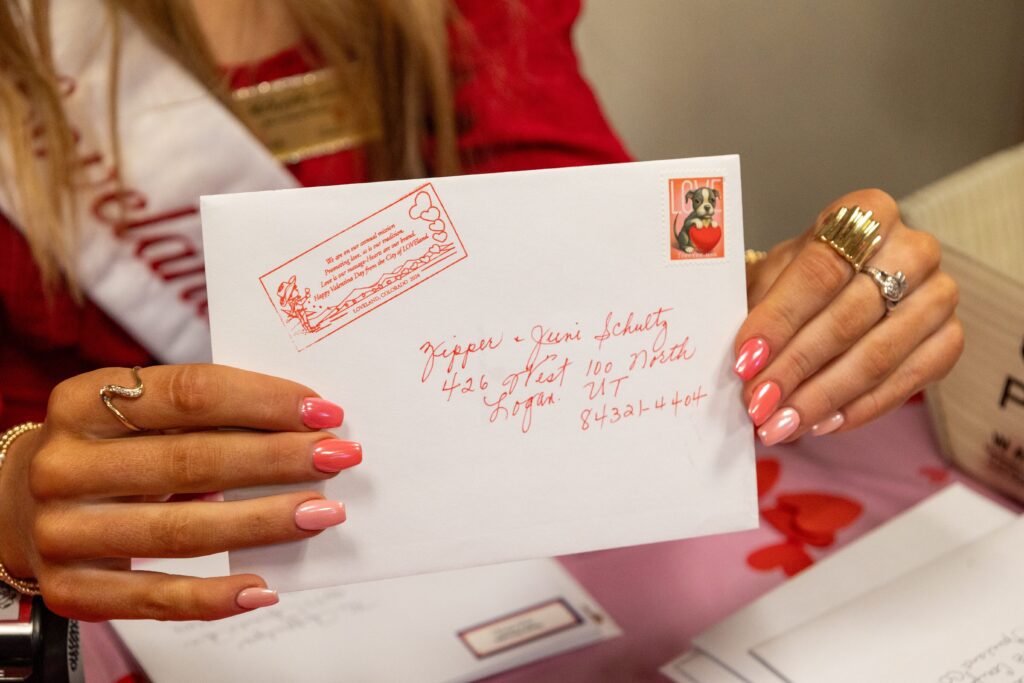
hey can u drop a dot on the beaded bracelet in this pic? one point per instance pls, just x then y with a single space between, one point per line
23 586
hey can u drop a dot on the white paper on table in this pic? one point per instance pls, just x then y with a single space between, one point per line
695 666
959 618
946 520
536 447
404 629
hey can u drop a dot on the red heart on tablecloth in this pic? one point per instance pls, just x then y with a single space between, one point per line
767 475
820 513
790 557
785 522
705 239
936 475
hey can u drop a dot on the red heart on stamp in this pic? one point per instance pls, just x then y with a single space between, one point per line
791 558
440 236
437 226
705 239
820 513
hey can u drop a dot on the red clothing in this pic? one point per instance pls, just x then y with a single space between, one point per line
523 105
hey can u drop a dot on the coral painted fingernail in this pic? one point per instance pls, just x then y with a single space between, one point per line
314 515
254 598
828 425
762 403
752 357
780 427
335 455
318 413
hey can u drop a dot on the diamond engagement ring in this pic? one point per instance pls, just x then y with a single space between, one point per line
892 286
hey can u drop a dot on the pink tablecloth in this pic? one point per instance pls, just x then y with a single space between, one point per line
816 496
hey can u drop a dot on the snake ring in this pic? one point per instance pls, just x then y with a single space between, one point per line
110 390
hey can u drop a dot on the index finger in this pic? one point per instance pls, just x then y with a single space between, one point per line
190 396
812 280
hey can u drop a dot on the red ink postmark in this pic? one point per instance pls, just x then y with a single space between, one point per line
696 218
364 266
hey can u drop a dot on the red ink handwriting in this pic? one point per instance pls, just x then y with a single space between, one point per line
457 353
607 415
631 326
652 357
524 407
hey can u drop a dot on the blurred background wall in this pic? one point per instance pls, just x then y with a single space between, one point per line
819 97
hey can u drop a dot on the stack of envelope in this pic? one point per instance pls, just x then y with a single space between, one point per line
442 628
932 595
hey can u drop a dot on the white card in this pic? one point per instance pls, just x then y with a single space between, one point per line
947 520
532 364
959 618
448 626
695 666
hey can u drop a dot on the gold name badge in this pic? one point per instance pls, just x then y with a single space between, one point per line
302 116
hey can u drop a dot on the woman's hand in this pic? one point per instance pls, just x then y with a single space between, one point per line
817 352
75 496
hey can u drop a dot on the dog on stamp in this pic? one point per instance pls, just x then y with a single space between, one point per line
702 201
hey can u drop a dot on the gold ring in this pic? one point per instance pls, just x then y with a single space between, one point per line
123 392
752 256
852 233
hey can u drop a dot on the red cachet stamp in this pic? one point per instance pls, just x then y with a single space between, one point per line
696 218
364 266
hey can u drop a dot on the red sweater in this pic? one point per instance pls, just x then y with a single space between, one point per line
523 106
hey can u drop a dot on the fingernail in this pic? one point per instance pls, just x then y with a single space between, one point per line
762 403
335 455
320 414
828 425
752 357
781 426
314 515
254 598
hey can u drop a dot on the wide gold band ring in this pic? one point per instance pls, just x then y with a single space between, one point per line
852 233
111 390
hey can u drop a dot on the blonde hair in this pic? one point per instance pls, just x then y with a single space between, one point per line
391 57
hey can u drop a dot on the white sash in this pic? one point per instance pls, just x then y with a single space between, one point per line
177 142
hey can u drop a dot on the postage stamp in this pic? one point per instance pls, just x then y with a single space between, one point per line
366 265
696 218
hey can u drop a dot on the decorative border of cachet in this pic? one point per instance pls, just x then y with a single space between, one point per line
364 266
520 628
696 218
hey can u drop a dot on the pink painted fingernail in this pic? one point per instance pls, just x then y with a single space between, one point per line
828 425
318 413
752 357
314 515
254 598
335 455
779 427
762 403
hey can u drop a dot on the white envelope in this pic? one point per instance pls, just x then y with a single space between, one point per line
531 365
952 518
958 619
444 627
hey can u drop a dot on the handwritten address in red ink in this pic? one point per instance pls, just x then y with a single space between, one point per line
584 366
